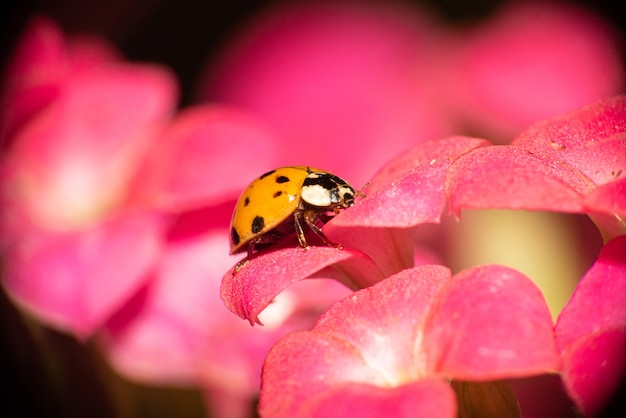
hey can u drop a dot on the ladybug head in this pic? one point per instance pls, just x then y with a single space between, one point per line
325 190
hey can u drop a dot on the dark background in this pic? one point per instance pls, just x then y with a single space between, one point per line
47 374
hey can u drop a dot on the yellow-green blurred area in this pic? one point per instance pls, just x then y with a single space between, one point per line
554 250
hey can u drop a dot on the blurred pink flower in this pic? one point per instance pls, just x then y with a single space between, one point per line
115 216
389 350
591 331
339 81
76 122
529 61
328 75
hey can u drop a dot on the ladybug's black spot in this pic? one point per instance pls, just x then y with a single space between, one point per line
234 236
246 201
267 174
282 179
277 194
257 224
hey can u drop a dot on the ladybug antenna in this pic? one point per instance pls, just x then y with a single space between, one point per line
360 192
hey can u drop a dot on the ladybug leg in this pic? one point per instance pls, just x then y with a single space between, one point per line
297 220
260 241
310 216
253 242
268 238
248 256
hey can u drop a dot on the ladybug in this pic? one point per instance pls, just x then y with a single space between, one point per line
284 201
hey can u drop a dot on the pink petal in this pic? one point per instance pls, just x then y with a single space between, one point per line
550 166
425 398
322 363
329 372
160 335
609 198
75 281
511 177
510 71
598 302
72 163
593 369
490 322
428 153
601 161
406 192
200 151
384 321
418 197
601 120
409 190
483 324
592 139
249 290
391 249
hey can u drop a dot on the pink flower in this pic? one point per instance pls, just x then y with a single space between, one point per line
77 122
591 331
553 165
389 349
